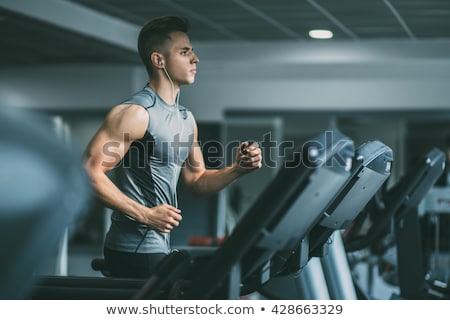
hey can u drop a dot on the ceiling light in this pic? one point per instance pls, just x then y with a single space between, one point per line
320 34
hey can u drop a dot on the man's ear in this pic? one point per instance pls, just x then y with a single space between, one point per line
157 60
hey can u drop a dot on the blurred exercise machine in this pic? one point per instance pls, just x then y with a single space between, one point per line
393 221
435 228
43 190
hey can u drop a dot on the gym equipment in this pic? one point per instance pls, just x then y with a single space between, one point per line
371 167
398 208
390 204
435 230
43 190
407 231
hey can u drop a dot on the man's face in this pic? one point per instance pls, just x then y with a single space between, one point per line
182 61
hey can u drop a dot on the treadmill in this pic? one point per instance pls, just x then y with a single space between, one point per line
395 224
371 167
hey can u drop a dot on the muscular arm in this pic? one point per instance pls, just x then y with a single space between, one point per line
123 125
202 181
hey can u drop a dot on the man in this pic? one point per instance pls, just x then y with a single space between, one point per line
150 140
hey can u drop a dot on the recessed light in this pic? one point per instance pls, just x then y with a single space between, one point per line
320 34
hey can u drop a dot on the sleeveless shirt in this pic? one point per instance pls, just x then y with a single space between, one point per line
149 172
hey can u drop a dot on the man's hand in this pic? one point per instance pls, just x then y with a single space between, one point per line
248 157
162 218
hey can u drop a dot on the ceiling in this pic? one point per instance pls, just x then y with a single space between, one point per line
42 32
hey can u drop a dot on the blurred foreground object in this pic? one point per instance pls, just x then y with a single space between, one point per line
43 188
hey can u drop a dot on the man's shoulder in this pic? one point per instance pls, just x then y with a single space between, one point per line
127 114
129 119
145 98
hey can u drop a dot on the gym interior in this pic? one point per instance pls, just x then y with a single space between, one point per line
370 220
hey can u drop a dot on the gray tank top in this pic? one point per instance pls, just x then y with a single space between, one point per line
149 172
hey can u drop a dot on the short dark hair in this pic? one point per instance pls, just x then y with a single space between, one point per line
155 34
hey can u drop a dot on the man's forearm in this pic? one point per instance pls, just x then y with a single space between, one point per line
108 193
212 181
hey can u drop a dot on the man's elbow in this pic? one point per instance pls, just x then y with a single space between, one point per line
94 173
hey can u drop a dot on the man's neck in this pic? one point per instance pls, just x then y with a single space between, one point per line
165 91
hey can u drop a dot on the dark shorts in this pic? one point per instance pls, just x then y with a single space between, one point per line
131 265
